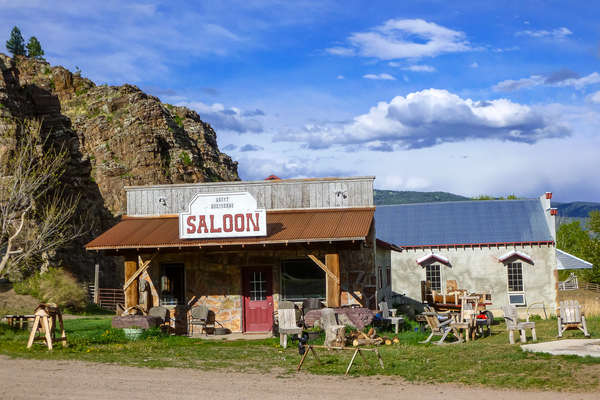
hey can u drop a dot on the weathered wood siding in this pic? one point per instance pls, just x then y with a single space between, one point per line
270 195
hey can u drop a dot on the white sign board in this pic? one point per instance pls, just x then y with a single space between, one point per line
222 215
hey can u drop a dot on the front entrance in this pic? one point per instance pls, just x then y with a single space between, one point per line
258 299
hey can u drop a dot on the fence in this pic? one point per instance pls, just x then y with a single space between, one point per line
108 298
590 286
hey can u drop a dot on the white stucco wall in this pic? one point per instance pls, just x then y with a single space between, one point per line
478 270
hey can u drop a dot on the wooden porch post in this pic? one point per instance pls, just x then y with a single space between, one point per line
334 292
131 293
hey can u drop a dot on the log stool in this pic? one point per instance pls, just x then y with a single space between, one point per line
45 321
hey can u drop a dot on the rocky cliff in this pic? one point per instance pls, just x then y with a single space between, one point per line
117 136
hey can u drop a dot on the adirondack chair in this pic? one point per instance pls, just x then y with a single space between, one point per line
288 324
512 324
334 332
570 316
439 326
386 316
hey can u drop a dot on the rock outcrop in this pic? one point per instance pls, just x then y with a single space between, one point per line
117 136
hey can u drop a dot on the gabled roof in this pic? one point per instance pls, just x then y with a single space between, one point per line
289 226
565 260
463 223
516 254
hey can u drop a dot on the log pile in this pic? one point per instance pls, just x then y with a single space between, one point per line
371 338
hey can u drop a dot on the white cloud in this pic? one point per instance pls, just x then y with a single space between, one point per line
558 33
431 117
340 77
474 64
404 38
594 97
420 68
379 77
562 78
226 118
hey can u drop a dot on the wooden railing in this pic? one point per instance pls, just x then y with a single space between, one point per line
590 286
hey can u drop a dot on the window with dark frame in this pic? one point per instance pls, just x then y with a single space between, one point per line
380 277
515 277
301 279
388 276
433 274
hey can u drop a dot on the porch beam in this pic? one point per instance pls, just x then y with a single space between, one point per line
334 292
143 266
324 267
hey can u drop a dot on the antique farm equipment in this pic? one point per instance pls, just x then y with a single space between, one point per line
46 315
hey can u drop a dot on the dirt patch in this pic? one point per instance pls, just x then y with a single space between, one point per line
36 379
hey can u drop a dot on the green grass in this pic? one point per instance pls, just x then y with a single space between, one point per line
489 361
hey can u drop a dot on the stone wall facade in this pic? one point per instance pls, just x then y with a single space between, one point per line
215 278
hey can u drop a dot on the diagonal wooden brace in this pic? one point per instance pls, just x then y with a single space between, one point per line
143 266
324 268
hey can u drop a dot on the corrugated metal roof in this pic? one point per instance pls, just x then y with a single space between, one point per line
462 222
569 261
287 226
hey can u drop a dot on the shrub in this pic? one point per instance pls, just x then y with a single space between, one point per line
54 286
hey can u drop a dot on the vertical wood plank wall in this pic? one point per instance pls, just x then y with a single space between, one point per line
284 194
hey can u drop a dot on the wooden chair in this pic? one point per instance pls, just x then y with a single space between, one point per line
199 316
512 324
570 316
439 326
334 332
288 324
387 317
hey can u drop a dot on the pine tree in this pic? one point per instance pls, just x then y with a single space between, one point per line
34 48
16 44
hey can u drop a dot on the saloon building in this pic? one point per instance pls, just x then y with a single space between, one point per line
241 247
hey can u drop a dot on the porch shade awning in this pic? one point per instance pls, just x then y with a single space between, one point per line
283 226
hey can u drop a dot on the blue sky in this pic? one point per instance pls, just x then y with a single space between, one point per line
469 97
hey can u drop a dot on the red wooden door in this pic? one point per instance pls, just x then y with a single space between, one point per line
258 299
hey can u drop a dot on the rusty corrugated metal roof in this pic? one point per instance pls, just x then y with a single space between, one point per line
285 226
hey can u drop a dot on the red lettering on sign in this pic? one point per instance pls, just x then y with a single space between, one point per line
190 222
227 223
212 225
202 224
254 222
239 222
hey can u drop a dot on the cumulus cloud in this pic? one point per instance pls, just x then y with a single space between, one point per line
558 33
229 119
379 77
251 147
432 117
594 97
403 38
560 78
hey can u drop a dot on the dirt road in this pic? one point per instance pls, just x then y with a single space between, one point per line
34 379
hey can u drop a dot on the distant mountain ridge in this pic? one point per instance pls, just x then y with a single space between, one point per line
574 209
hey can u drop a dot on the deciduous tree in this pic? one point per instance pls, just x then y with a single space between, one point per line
35 215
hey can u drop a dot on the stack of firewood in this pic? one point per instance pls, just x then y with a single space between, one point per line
371 338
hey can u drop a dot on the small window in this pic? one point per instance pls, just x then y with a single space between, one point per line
172 284
515 277
516 299
388 276
380 277
258 286
302 279
434 276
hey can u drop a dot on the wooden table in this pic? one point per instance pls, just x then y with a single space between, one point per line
20 319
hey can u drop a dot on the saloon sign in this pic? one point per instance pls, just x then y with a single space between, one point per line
221 216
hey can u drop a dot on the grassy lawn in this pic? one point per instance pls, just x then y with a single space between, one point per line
488 361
